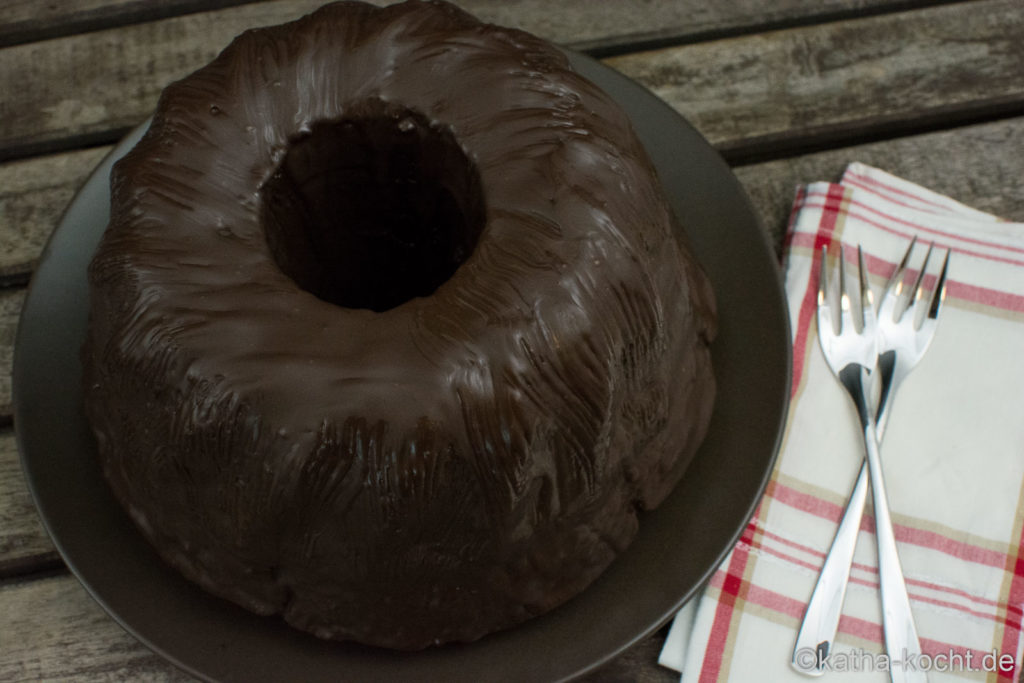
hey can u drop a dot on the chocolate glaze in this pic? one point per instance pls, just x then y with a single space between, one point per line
389 332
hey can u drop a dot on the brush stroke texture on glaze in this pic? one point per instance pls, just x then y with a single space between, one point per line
445 468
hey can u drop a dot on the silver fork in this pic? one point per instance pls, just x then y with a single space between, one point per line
852 356
900 346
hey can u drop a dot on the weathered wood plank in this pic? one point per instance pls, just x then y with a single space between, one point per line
24 544
978 165
25 21
11 301
50 630
33 196
808 86
583 22
603 27
795 83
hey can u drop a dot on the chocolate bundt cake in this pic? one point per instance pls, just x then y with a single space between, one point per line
390 333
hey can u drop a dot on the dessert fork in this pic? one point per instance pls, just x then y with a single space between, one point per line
900 346
853 356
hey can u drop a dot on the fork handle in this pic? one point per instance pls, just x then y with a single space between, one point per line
901 641
817 633
821 620
816 638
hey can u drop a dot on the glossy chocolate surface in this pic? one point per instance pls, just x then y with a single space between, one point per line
397 450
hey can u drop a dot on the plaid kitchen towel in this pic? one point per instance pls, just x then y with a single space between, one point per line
953 456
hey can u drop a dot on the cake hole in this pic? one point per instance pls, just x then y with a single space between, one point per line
374 209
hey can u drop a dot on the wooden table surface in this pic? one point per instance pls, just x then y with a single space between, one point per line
788 91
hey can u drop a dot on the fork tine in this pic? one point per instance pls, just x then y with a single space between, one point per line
916 293
939 293
824 305
867 306
897 274
822 276
844 295
894 286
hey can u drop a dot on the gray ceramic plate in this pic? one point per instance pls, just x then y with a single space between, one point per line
678 547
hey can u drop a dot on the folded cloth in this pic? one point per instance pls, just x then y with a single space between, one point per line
953 456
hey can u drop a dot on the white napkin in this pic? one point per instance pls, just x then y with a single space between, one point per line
953 456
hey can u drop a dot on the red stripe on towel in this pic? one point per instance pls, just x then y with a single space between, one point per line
732 581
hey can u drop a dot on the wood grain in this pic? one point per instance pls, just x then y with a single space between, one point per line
50 629
609 27
11 301
583 22
24 543
807 87
33 196
25 21
979 165
764 89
